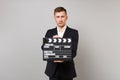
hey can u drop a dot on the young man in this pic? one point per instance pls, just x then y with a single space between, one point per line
59 69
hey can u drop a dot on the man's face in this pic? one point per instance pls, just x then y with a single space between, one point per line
60 18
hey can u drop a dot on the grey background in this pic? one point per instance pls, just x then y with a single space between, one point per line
23 23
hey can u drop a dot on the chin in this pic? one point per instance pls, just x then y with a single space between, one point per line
61 25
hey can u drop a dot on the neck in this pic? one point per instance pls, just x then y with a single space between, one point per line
61 28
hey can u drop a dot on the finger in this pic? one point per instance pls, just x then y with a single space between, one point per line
59 61
56 36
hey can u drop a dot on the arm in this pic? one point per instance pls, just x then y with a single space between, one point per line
75 43
46 35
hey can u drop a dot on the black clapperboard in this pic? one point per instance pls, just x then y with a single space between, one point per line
57 49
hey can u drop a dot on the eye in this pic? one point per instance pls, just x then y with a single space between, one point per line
57 16
62 16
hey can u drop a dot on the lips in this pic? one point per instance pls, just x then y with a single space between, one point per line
60 23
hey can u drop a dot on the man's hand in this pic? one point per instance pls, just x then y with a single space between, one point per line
56 36
58 61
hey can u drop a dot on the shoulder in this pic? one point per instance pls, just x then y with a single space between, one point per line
72 29
51 32
52 29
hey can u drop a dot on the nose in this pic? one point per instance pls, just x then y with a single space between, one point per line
60 19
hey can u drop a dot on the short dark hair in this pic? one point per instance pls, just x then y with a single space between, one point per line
60 9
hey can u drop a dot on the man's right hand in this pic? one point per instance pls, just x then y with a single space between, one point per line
56 36
58 61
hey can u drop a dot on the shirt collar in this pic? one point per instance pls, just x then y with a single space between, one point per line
63 29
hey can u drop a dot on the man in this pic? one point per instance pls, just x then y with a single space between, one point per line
59 69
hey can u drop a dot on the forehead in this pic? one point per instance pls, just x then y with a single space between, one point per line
62 13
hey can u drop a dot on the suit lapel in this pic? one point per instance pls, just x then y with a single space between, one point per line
66 32
55 32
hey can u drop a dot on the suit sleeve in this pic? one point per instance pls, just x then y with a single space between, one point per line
47 35
75 43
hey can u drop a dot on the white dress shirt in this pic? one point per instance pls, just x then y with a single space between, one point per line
61 31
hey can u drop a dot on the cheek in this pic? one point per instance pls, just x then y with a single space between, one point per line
56 19
64 19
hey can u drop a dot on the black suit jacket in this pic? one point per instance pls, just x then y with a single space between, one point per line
67 68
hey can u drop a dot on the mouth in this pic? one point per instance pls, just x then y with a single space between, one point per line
60 23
